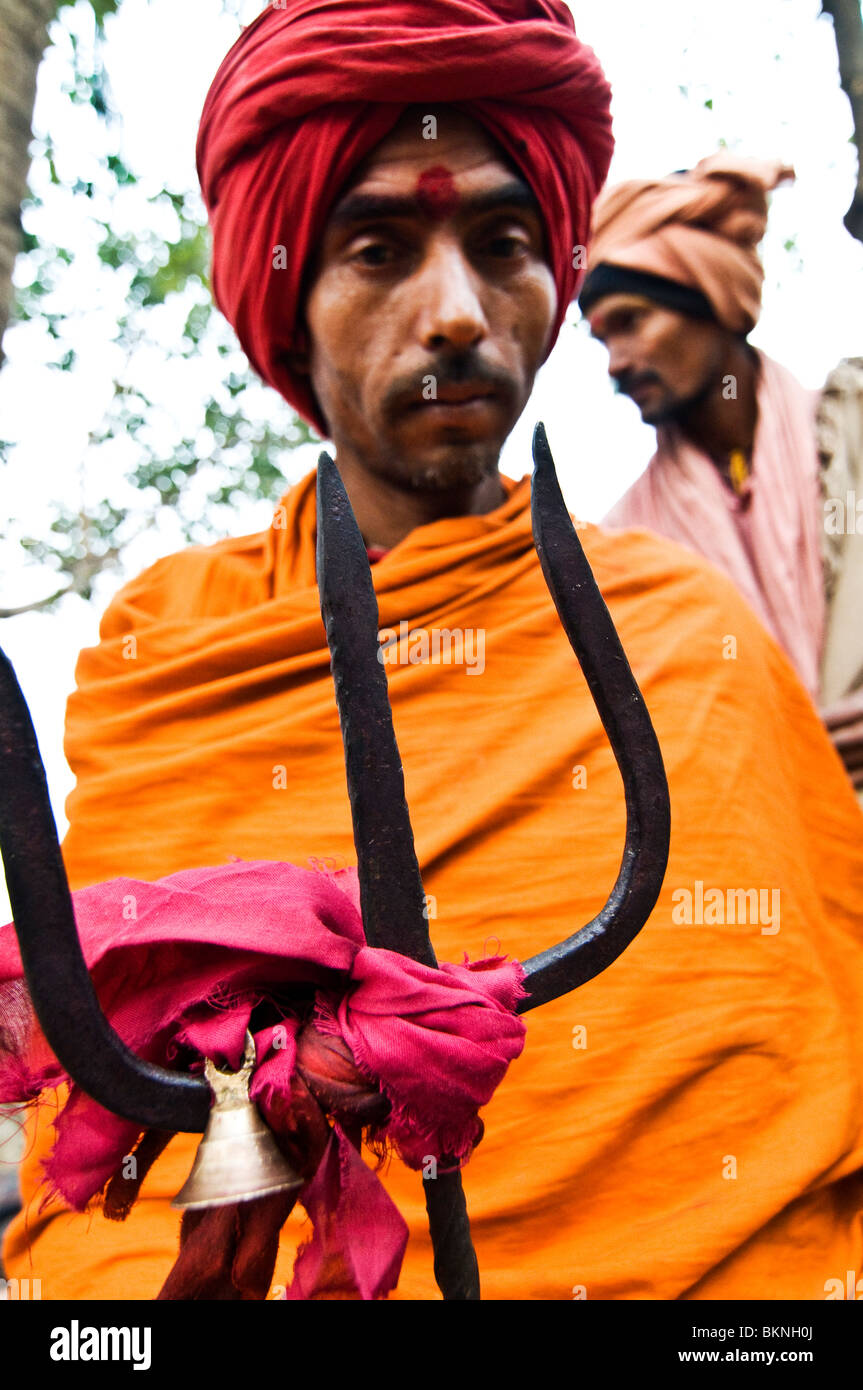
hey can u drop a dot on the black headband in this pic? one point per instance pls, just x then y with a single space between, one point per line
608 279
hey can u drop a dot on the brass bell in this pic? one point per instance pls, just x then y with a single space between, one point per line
238 1159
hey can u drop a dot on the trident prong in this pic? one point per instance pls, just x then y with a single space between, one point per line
62 994
391 889
593 637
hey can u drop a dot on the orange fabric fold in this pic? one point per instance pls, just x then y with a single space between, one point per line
687 1125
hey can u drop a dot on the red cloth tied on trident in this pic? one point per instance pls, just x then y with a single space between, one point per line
180 964
310 88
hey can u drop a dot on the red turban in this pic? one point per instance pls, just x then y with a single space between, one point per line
311 87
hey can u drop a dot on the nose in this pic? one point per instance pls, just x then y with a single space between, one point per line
451 312
619 357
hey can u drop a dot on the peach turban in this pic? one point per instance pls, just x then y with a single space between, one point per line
698 229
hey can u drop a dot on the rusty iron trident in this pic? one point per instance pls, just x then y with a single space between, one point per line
391 888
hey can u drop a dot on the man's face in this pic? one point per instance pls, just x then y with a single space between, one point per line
431 307
667 362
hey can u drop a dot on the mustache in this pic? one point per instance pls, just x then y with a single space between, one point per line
454 370
627 382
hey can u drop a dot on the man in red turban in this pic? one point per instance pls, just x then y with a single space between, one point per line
310 90
398 194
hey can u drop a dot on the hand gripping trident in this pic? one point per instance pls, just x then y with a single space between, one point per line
391 890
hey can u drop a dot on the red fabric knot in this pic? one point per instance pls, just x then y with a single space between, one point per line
184 965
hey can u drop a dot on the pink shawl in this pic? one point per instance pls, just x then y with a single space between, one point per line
766 540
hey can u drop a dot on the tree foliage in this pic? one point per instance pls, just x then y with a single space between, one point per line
154 244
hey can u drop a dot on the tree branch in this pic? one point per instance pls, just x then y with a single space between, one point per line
848 32
23 38
37 604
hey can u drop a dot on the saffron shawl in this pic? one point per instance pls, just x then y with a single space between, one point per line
601 1170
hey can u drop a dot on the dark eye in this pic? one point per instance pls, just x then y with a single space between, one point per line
506 247
623 321
375 254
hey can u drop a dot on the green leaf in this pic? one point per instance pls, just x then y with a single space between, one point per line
101 9
120 170
186 260
115 250
197 321
98 98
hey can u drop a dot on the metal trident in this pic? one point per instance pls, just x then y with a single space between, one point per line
391 889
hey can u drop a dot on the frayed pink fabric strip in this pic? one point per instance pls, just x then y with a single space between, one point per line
179 965
359 1234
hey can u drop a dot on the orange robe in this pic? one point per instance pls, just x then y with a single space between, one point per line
687 1125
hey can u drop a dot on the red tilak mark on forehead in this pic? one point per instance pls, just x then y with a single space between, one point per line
436 193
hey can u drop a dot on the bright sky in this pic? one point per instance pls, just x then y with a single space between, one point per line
769 69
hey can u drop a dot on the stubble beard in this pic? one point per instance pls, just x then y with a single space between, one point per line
459 468
676 410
